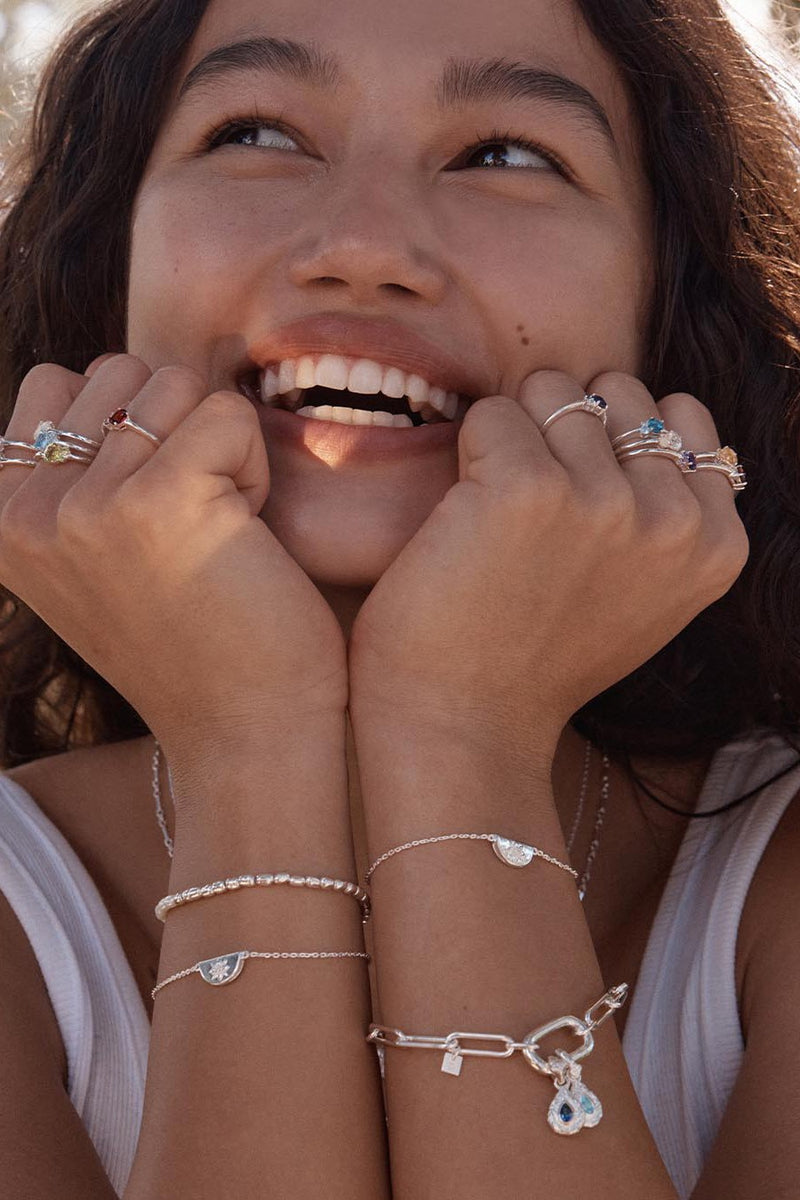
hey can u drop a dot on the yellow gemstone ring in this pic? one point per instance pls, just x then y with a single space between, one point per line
58 445
726 461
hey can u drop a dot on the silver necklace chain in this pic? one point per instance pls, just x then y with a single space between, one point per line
594 845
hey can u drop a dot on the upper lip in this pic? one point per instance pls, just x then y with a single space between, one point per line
382 340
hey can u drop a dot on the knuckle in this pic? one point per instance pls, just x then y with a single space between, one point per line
487 408
679 523
127 368
74 517
228 406
613 508
725 558
618 383
180 377
682 406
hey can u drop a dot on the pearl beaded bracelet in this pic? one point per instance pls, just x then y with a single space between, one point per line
208 890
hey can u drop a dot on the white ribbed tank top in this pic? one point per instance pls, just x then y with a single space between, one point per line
683 1041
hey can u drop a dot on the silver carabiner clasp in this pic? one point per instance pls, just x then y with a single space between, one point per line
532 1041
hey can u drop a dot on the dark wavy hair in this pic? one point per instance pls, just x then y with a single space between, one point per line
718 137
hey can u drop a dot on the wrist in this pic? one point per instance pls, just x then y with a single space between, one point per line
423 781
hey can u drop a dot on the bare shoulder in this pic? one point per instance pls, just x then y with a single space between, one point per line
71 779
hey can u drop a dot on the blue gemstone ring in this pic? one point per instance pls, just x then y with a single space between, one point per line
592 403
649 433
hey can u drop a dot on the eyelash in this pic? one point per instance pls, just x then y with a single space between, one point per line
216 137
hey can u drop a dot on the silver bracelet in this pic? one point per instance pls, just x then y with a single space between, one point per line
227 967
221 886
573 1106
514 854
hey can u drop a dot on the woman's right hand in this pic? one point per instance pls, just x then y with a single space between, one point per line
152 562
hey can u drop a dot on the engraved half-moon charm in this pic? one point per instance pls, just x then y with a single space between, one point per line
514 854
224 969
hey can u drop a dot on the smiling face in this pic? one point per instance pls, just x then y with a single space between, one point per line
477 222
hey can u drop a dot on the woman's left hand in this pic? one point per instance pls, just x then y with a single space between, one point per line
549 571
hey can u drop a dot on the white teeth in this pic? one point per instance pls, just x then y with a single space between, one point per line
286 375
417 390
366 377
292 376
269 384
305 373
344 415
354 416
332 372
394 383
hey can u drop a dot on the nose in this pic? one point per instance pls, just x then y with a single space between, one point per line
365 243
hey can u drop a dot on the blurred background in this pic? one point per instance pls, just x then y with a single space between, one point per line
28 29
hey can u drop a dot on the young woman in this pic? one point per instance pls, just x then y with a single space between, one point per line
396 360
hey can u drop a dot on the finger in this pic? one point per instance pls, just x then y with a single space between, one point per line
498 444
723 534
97 362
217 448
112 385
46 392
165 398
576 438
657 481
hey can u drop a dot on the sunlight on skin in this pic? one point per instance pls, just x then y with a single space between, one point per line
508 271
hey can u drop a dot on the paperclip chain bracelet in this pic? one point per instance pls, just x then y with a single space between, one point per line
573 1106
512 853
227 967
221 886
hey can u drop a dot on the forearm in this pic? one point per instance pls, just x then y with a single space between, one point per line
265 1086
463 942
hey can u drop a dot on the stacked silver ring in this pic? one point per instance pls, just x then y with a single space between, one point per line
653 437
725 461
50 445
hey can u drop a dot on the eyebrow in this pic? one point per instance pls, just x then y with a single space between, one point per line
464 81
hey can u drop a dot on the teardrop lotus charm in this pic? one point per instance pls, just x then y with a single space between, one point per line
572 1108
514 854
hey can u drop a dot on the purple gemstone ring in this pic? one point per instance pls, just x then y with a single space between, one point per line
592 403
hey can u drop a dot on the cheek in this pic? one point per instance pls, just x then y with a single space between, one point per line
565 290
187 267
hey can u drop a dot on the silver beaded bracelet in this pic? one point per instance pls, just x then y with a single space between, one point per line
573 1107
227 967
221 886
512 853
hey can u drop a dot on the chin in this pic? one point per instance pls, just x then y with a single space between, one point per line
336 551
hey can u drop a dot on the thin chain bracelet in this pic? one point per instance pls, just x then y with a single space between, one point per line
207 890
514 854
227 967
573 1106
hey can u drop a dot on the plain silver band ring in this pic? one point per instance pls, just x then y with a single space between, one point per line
591 404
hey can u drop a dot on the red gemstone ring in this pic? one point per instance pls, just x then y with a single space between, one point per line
121 419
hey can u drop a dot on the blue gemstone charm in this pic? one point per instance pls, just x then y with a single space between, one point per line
687 461
652 427
574 1108
596 401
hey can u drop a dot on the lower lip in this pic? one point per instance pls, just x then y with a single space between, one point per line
355 443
